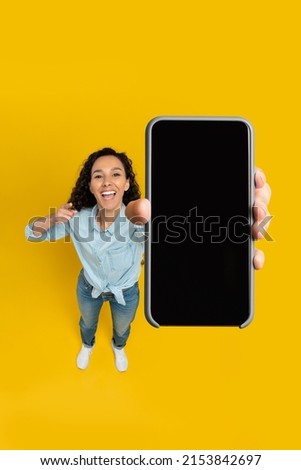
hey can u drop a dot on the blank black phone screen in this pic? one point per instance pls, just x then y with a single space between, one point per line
198 243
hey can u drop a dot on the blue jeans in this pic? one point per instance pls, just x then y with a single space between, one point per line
122 315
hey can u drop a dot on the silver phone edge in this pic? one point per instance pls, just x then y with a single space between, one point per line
251 170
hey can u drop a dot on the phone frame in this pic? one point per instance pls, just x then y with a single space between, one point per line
148 185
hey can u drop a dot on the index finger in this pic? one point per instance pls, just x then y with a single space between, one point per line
69 207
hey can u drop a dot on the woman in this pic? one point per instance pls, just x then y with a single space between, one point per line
104 217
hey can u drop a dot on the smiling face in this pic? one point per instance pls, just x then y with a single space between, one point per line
108 183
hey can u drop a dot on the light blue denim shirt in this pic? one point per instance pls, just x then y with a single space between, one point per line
111 258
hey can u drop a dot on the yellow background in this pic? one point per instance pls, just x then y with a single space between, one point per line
77 76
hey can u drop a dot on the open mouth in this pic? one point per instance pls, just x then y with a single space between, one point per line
108 194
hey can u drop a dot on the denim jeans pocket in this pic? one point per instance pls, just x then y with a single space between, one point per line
131 293
84 283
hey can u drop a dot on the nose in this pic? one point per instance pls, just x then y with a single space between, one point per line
106 181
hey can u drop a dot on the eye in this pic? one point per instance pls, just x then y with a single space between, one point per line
98 176
116 174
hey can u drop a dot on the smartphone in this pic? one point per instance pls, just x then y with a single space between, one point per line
198 245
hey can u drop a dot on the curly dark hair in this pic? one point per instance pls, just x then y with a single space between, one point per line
81 195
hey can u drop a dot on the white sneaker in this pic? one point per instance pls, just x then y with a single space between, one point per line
121 361
83 357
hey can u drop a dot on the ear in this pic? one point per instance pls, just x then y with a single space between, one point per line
127 185
90 188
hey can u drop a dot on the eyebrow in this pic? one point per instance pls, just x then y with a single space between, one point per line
112 169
